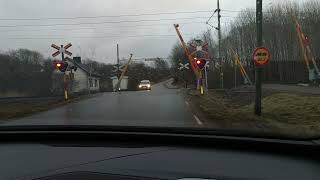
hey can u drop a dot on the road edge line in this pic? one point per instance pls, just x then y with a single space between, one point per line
198 120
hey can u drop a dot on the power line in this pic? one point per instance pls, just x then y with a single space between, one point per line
211 16
246 10
105 22
104 16
99 37
94 28
238 10
238 17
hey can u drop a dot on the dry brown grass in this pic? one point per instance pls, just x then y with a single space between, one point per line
22 108
18 109
288 115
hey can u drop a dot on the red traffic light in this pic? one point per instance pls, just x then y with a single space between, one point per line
201 63
60 65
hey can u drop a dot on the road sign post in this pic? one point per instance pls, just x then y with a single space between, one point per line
258 73
261 57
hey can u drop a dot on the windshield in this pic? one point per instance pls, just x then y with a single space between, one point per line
233 66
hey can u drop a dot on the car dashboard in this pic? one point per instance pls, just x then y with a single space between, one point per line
88 156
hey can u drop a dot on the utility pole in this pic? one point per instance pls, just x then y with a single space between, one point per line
258 72
118 65
235 74
90 77
118 61
219 43
93 55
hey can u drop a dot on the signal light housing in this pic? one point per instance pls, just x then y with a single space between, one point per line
201 63
60 65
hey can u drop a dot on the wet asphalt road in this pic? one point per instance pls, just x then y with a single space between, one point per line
159 107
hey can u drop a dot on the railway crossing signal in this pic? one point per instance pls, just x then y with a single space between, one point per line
60 65
200 48
196 65
183 66
61 50
118 69
186 49
63 65
201 63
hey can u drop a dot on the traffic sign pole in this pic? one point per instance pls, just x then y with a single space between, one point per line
258 74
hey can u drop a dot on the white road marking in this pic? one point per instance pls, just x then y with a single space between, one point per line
187 103
198 120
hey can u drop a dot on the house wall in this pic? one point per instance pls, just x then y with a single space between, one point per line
82 81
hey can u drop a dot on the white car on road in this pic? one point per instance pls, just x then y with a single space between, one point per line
145 84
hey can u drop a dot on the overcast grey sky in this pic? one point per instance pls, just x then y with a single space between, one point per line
152 36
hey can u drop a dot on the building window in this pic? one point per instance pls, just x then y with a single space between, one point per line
96 83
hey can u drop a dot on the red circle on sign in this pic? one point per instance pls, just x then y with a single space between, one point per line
261 56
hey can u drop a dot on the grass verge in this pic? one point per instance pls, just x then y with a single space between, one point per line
16 109
285 115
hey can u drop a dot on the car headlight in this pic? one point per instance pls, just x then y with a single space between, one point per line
140 86
148 85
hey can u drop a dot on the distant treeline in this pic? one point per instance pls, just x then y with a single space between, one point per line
279 31
279 36
25 72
